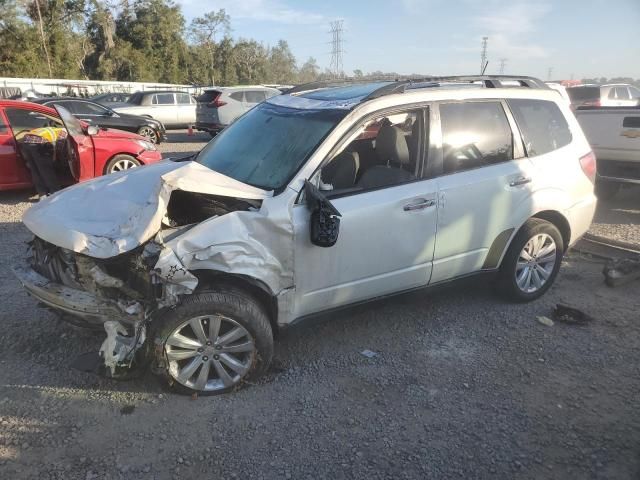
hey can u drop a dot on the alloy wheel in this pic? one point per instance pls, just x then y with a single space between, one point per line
536 263
210 352
123 164
149 133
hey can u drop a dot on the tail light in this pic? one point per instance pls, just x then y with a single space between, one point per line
588 165
217 103
592 103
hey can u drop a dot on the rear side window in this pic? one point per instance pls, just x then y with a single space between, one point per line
474 134
623 93
183 98
631 122
542 124
163 99
237 96
254 96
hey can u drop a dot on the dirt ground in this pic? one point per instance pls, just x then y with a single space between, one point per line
462 385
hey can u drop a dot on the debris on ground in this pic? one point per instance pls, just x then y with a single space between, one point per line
620 271
545 321
127 409
369 353
566 314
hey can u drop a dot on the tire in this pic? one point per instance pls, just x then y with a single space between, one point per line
121 162
149 133
606 190
183 360
521 279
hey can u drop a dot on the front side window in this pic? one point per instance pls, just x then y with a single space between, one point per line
163 99
268 145
622 93
238 96
23 120
3 126
542 124
85 108
474 134
385 152
635 93
183 98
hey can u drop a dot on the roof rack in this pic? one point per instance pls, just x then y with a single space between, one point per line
400 85
489 81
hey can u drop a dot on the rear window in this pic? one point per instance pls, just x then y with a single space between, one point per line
542 124
208 96
631 122
254 96
581 94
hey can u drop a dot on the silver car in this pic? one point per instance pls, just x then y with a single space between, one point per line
613 95
315 200
173 108
218 107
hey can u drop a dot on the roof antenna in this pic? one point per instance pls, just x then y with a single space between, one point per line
484 69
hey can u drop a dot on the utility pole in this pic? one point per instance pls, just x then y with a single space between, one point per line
336 48
483 55
503 63
549 73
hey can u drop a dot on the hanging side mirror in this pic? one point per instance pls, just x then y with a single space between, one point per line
325 219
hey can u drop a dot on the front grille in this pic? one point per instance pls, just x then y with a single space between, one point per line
54 263
618 169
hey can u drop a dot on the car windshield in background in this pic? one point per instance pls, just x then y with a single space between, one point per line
268 145
579 94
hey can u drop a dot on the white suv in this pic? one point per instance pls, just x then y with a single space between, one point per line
317 199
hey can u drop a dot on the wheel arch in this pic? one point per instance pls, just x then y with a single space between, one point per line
253 286
128 154
560 222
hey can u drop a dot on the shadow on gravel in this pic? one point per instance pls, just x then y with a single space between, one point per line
624 208
15 197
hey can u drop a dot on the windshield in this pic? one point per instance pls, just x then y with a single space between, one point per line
268 145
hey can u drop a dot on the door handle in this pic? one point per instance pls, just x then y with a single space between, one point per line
419 205
519 181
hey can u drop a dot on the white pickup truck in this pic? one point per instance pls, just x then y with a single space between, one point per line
614 135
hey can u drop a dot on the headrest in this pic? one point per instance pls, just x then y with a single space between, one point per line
392 146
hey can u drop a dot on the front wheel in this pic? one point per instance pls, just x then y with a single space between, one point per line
121 162
214 342
532 261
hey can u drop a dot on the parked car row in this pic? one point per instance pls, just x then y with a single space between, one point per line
613 95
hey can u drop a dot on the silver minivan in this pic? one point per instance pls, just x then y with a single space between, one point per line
174 109
218 107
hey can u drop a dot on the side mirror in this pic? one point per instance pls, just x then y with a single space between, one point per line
92 130
325 219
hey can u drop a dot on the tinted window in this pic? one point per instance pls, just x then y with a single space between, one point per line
474 134
268 145
612 94
20 120
239 96
85 108
631 122
183 98
581 94
254 96
635 93
542 124
136 98
163 99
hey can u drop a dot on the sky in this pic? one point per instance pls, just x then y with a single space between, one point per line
574 38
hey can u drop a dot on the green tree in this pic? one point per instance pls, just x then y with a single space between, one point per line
204 31
282 64
251 60
309 71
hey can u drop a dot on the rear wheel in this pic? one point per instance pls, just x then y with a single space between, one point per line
149 133
121 162
214 342
532 261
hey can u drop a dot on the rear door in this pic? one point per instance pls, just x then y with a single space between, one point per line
13 171
163 109
80 146
186 109
484 186
206 109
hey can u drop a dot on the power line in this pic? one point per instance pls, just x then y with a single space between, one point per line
503 63
337 51
483 55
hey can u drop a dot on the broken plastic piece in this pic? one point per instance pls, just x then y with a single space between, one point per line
545 321
369 353
566 314
118 349
621 271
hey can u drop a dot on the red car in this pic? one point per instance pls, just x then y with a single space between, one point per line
91 151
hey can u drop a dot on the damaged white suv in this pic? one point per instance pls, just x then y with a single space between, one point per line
317 199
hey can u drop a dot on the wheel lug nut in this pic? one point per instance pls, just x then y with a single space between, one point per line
205 358
209 343
218 347
201 350
216 357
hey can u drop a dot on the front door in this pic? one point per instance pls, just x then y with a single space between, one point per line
484 186
80 146
13 170
388 222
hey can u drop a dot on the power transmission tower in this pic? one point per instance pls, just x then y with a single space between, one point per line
336 48
483 55
503 63
549 73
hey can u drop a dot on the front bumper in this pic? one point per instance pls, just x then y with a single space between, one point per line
150 156
90 308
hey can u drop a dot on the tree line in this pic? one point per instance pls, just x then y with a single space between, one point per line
137 40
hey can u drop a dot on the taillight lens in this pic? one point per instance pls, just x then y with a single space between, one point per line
217 103
588 165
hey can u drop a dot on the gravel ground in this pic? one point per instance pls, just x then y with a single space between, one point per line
619 218
463 385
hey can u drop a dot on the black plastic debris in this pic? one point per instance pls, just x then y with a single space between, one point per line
127 409
566 314
620 271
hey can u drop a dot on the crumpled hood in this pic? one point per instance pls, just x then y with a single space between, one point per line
114 214
114 133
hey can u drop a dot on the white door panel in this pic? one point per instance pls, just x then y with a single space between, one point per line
385 245
475 207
